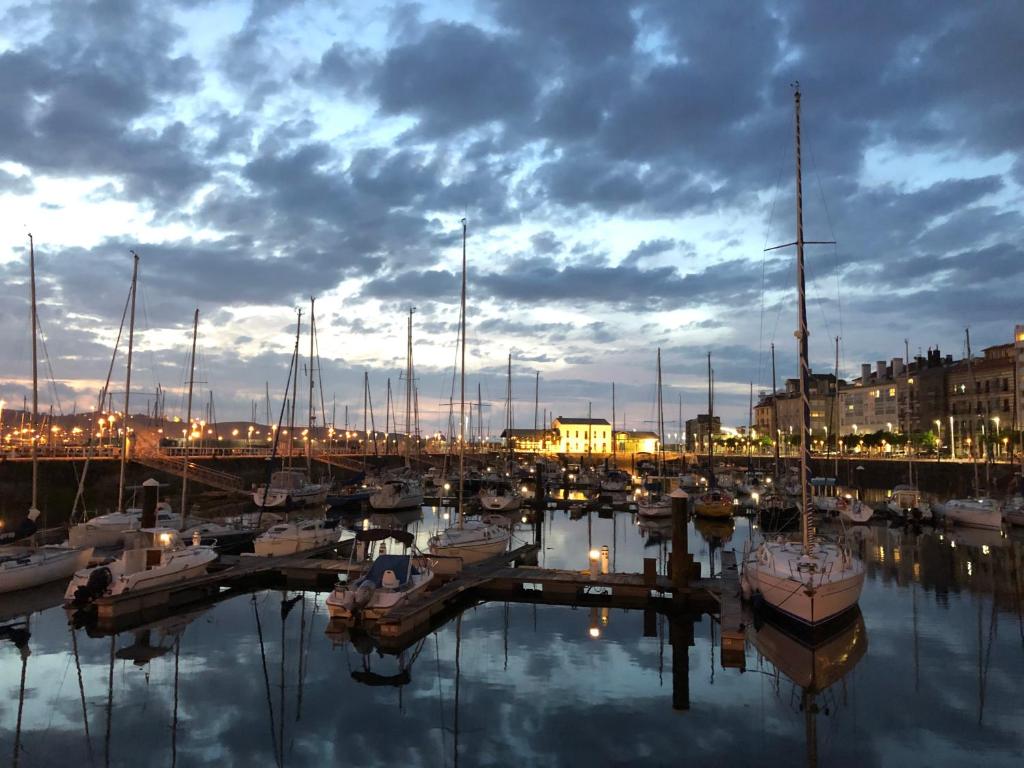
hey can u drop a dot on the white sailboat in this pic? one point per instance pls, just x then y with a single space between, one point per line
809 580
400 493
24 567
471 540
289 538
973 513
654 503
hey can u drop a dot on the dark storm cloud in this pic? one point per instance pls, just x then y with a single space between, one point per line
455 76
70 101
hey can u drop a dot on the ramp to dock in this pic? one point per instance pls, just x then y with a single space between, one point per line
731 614
222 481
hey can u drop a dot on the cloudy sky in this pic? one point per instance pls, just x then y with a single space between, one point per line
622 167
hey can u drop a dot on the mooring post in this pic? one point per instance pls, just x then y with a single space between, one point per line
682 560
150 497
680 636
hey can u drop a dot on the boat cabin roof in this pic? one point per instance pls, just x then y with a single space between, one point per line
288 478
397 563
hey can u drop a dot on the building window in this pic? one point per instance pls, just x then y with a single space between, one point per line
876 393
892 391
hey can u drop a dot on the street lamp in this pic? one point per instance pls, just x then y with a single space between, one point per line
952 448
996 420
938 435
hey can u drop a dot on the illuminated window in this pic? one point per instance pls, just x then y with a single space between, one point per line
849 407
876 394
892 391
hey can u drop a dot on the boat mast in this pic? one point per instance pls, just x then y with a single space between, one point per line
508 416
366 433
295 386
479 417
661 424
536 407
35 380
462 379
832 416
614 441
807 524
408 387
188 421
312 417
128 383
750 422
974 417
775 417
711 423
910 459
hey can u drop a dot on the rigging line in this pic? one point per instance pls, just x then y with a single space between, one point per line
831 231
767 234
49 364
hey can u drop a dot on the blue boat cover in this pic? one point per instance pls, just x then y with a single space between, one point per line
397 563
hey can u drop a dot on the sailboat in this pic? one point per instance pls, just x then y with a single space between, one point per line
291 486
504 495
30 566
654 503
715 501
472 540
809 580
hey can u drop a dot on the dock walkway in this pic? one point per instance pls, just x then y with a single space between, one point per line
731 613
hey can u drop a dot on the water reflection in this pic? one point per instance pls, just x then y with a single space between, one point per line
265 679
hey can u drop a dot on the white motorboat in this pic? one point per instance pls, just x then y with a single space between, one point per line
161 558
906 501
27 567
290 488
397 494
501 498
110 530
472 540
615 480
854 510
653 506
811 581
293 537
975 513
389 580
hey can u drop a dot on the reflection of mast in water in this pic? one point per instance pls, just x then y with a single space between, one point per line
266 680
458 670
984 657
19 635
813 666
81 690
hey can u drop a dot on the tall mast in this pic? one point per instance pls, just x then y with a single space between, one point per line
366 433
462 378
590 428
614 441
35 378
661 423
387 420
508 413
750 421
312 417
188 421
479 417
711 426
807 532
128 383
295 386
834 420
906 371
972 404
775 416
536 407
408 383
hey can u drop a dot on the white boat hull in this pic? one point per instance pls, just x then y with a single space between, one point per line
183 565
500 502
274 547
807 599
42 566
340 606
973 514
654 509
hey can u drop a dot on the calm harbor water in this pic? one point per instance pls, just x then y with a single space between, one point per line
931 673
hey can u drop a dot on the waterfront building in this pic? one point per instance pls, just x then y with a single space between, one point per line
632 441
697 432
531 440
983 399
582 436
787 403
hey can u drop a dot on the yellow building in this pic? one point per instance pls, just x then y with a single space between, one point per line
583 436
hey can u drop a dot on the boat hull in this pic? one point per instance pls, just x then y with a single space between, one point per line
273 547
42 566
793 597
713 508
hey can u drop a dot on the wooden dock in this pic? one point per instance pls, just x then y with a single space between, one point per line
730 614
